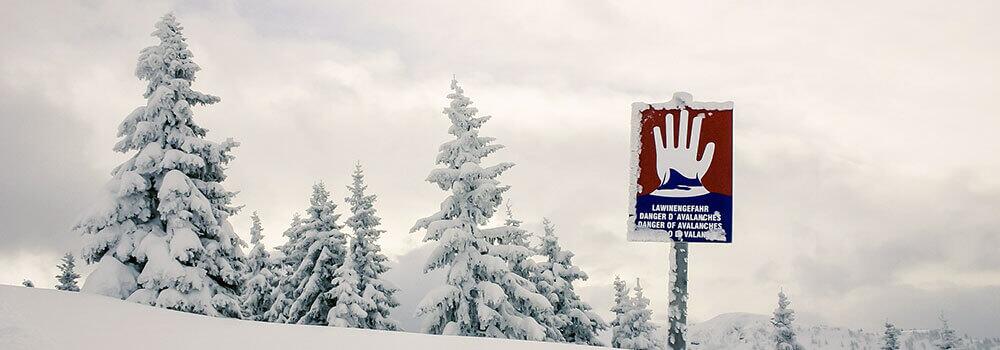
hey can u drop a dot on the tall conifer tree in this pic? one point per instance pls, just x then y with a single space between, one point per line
369 262
166 226
482 296
315 249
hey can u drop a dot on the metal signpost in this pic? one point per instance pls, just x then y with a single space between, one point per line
682 186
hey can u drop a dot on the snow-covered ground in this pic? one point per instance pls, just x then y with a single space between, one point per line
35 318
40 319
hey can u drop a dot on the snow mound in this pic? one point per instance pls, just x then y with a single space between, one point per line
38 319
111 278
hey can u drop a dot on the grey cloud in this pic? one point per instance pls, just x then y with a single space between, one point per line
849 145
46 176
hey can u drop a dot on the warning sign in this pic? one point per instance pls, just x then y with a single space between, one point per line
682 171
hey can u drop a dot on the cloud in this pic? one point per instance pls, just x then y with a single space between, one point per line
863 138
45 176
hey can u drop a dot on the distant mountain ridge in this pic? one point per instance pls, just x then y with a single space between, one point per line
746 331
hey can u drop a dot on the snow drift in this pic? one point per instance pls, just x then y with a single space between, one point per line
38 319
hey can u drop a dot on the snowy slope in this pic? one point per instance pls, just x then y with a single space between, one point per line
744 331
34 318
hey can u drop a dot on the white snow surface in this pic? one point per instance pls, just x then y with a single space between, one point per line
36 318
40 319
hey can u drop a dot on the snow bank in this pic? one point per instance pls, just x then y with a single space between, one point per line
35 318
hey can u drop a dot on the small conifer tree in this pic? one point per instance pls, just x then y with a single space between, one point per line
784 333
890 338
67 275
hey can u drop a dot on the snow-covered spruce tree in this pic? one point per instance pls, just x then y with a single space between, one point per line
623 303
369 262
288 252
784 333
166 225
949 339
283 265
527 268
67 275
578 323
482 296
349 309
890 338
315 248
521 265
28 283
257 295
639 331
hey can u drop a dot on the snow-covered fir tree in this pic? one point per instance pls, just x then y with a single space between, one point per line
890 338
258 294
165 229
949 339
638 330
623 303
315 248
577 321
292 233
521 265
28 283
283 264
349 309
527 268
482 296
67 274
369 262
784 333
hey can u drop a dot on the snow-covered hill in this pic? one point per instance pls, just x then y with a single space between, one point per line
35 318
744 331
40 319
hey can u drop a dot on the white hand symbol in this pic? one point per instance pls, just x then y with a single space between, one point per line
683 158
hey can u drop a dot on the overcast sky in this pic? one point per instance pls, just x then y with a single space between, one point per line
865 134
